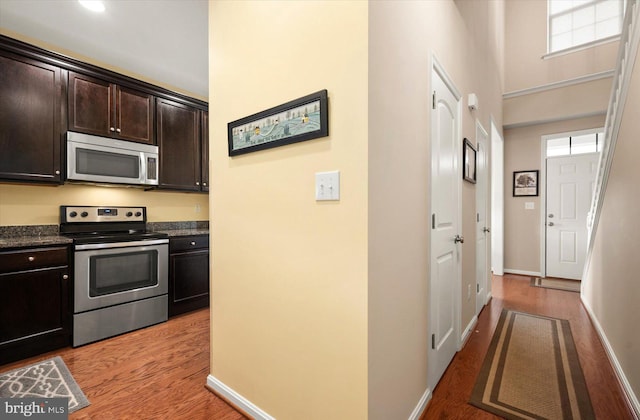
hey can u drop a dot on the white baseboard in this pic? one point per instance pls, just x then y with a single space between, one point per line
467 331
633 399
422 404
488 298
238 400
522 272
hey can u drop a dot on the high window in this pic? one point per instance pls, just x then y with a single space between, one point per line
574 23
587 141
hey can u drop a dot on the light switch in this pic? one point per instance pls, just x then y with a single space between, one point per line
328 186
529 205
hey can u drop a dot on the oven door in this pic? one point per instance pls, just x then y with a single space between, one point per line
113 273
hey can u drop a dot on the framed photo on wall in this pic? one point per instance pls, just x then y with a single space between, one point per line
468 162
525 183
302 119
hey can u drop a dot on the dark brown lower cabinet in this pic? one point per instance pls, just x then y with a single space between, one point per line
188 273
35 316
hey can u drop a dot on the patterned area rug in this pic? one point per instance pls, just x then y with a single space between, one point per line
558 284
532 371
47 379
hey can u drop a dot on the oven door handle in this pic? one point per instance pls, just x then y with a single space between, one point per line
110 245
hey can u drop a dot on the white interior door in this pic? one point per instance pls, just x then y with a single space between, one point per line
570 183
482 228
445 245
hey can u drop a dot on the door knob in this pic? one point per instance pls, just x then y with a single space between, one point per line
550 215
550 224
458 238
486 230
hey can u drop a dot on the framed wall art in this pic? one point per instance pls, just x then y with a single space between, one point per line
525 183
468 161
302 119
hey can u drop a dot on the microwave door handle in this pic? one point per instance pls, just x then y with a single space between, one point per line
143 168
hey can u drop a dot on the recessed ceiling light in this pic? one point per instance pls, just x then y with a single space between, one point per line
93 5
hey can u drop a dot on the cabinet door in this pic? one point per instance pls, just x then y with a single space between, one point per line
178 138
91 108
189 281
34 313
134 115
31 127
205 151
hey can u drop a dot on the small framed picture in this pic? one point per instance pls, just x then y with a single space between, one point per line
525 183
468 162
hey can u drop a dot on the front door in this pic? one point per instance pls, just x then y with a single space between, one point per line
481 218
445 248
570 183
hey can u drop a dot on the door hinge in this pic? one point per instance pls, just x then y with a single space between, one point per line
477 288
433 100
433 221
433 341
477 217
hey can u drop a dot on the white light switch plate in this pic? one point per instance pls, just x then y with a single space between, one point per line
328 186
529 205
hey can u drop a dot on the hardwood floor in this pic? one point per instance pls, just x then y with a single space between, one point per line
155 373
160 372
450 396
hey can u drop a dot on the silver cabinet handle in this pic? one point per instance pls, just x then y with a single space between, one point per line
197 183
57 172
550 224
458 238
65 277
204 184
112 129
118 130
31 259
193 243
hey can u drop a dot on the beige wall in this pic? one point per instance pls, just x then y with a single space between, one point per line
289 274
611 280
529 116
40 205
526 43
522 151
348 337
402 37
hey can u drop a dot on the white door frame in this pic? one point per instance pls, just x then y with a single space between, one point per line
457 288
542 189
482 133
497 202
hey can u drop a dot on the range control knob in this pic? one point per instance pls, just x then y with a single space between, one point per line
138 214
73 214
129 214
84 214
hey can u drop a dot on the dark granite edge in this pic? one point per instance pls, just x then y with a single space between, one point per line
169 226
28 230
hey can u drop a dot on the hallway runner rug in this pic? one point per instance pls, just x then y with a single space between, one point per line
532 371
559 284
47 379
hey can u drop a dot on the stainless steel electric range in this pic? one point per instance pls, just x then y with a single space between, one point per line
120 271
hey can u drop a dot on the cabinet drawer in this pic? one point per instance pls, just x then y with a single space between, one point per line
32 259
187 243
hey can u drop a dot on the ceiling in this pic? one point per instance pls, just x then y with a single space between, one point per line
165 41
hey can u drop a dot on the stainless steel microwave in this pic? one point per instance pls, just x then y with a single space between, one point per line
105 160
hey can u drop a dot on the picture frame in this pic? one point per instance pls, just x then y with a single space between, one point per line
468 161
525 183
298 120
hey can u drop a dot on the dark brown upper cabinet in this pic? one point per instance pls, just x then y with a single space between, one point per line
205 150
32 102
178 135
107 109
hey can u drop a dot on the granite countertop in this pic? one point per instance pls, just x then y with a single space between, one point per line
25 236
48 235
